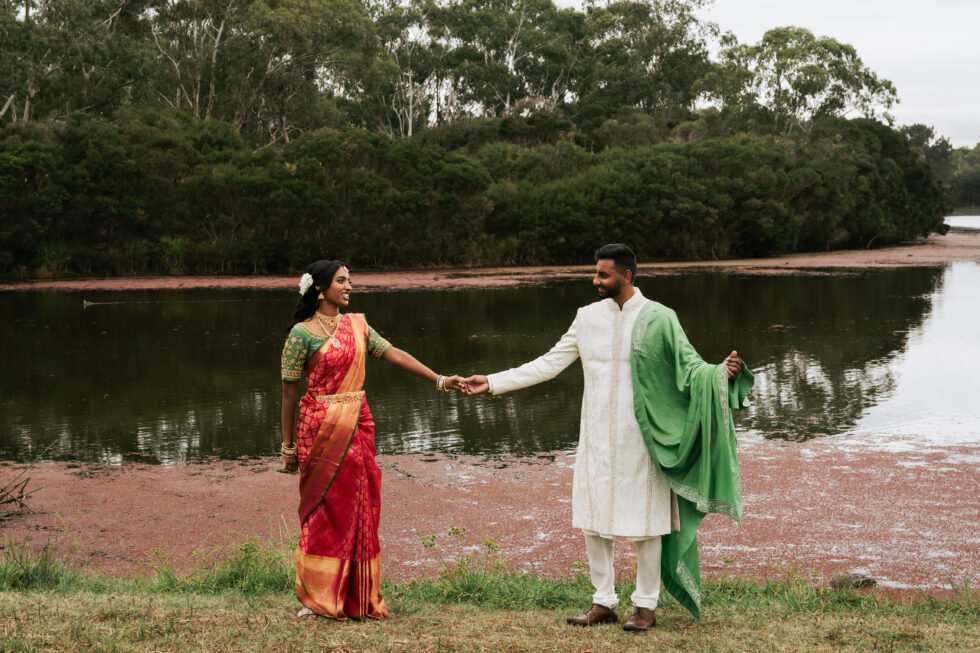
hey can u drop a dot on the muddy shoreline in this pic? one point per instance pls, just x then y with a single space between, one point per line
817 509
957 245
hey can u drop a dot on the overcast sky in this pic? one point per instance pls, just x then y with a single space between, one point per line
929 49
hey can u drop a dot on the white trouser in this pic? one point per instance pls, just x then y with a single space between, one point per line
600 552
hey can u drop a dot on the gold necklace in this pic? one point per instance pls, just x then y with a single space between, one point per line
326 321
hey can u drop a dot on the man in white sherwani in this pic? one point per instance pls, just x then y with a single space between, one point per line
617 490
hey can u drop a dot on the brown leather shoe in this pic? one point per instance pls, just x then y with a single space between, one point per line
642 619
597 614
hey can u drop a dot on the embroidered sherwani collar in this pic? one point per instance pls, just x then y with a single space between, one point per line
632 304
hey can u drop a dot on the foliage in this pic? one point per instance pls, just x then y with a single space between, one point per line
155 192
254 567
645 55
798 78
964 177
848 184
250 136
278 68
21 571
957 170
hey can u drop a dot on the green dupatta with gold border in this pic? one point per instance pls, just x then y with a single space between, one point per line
683 406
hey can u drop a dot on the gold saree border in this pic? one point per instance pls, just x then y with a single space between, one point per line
323 585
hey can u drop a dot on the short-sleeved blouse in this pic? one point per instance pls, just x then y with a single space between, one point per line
302 343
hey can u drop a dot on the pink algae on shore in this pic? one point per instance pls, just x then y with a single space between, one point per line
810 509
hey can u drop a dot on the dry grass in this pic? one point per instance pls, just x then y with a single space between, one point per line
84 620
245 603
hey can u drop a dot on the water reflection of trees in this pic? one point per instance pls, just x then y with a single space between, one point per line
192 375
826 347
157 376
797 398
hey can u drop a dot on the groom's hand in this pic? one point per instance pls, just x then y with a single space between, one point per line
734 365
476 384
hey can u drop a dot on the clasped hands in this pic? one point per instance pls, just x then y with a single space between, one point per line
473 385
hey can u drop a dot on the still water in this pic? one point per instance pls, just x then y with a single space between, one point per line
185 376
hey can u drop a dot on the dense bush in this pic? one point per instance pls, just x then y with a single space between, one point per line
158 193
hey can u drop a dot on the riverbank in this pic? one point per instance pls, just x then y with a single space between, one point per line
957 245
822 508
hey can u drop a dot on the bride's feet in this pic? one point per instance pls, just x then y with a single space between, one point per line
305 612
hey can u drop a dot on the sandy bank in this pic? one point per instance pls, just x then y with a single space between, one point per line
957 245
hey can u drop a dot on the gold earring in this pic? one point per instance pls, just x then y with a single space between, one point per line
320 296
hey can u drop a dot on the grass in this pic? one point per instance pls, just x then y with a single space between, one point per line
966 210
243 601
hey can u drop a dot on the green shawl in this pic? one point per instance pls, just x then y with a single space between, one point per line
684 407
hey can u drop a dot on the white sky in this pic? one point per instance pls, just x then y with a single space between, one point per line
928 48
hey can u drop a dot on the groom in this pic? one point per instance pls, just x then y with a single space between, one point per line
648 398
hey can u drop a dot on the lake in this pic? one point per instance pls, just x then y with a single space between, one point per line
172 377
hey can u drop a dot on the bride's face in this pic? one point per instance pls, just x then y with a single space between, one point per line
338 293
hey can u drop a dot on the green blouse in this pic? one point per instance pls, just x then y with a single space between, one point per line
302 343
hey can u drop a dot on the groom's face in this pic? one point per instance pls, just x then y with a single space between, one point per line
608 281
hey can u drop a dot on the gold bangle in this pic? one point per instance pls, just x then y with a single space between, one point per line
441 383
288 450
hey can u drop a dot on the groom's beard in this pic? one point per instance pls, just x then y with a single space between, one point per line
612 292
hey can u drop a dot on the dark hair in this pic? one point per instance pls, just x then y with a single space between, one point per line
323 273
622 257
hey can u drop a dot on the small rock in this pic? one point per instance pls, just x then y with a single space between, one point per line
853 580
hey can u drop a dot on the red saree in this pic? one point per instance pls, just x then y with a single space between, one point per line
338 564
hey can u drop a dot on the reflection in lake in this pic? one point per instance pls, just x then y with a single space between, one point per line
935 389
182 376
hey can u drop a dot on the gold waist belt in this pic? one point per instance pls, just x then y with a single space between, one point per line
343 398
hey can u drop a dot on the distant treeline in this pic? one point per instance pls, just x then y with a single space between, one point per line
251 136
958 170
156 194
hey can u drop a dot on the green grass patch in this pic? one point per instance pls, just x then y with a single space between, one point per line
22 571
241 599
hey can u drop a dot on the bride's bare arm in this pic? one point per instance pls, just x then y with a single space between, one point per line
412 365
289 463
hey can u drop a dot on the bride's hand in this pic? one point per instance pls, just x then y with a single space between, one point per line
455 382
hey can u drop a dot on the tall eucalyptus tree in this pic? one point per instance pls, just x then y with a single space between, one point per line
397 91
644 54
268 66
62 56
298 57
505 56
800 78
190 37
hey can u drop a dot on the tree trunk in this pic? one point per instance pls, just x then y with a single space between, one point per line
12 105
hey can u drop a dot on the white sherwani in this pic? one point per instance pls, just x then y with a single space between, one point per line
617 490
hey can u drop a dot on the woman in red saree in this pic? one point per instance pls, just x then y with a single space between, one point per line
338 569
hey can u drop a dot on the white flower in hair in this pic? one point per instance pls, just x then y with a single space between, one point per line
305 282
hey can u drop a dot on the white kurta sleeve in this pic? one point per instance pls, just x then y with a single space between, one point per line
542 368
